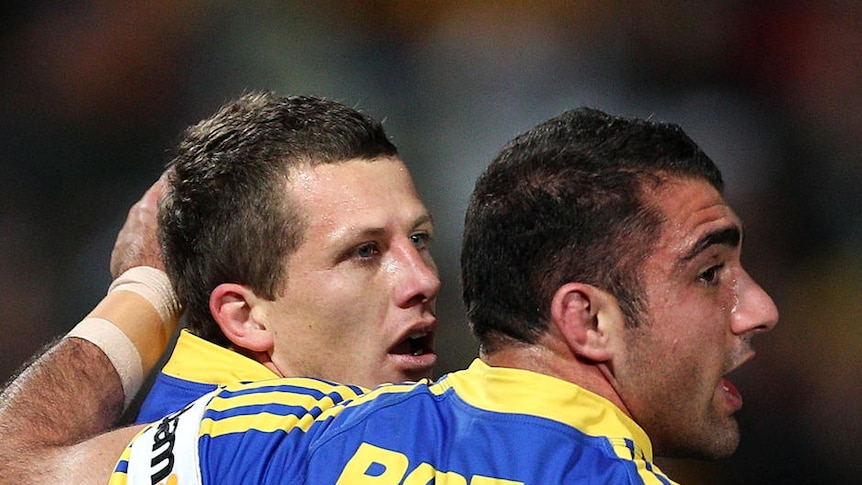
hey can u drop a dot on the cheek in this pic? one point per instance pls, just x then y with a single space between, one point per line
698 345
681 351
333 290
355 313
672 369
699 318
695 363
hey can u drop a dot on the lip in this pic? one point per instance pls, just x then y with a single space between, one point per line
728 390
731 394
412 361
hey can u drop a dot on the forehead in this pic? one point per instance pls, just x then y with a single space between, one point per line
354 194
692 210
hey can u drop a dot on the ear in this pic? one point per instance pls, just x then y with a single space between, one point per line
232 308
588 319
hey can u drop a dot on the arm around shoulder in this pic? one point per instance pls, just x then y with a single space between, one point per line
79 387
42 420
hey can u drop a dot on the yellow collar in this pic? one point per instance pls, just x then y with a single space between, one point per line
519 391
199 360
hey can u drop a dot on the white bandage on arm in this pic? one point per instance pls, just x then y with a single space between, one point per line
152 284
125 326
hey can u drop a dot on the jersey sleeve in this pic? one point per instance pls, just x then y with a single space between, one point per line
247 433
165 451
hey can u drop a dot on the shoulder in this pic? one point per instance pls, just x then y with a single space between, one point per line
203 438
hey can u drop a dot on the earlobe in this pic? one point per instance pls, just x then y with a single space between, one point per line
232 307
580 314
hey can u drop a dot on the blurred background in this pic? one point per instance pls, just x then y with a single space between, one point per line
94 96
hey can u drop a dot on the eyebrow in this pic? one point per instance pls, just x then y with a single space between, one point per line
377 231
424 219
730 237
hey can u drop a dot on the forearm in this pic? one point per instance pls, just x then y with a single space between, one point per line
42 418
81 385
74 390
43 412
69 393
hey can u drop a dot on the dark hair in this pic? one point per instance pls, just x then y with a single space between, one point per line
563 202
227 216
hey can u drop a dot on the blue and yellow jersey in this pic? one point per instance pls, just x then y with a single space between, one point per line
484 425
167 451
196 367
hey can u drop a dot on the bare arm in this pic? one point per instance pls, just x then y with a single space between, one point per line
42 418
73 391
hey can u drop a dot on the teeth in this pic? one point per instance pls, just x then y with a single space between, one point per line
417 341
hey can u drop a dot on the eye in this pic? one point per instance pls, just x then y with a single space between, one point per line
420 240
367 251
710 276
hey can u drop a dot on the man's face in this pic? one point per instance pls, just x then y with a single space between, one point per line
359 303
703 309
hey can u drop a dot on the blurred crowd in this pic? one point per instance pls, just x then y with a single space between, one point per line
94 95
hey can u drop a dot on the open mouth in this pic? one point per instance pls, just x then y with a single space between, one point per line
418 343
731 391
731 394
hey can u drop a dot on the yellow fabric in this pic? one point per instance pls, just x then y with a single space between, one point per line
509 390
198 360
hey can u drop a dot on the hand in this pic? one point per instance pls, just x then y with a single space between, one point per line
137 242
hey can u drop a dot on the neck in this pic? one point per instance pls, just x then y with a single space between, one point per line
263 358
551 357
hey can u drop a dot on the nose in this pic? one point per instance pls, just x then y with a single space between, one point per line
417 279
755 312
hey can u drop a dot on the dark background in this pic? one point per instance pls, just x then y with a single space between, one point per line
95 95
